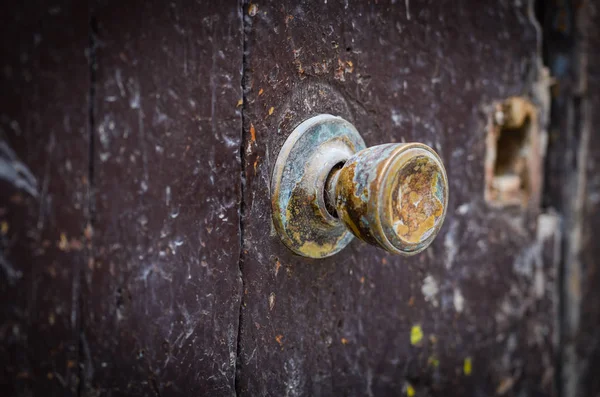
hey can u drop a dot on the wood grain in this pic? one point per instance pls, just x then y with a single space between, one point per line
44 159
161 299
473 314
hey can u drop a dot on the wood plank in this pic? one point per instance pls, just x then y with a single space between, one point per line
588 338
572 36
44 162
162 296
581 315
407 71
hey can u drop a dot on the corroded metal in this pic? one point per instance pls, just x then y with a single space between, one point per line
313 149
327 187
393 196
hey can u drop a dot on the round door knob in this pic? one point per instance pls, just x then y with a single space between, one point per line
327 187
393 196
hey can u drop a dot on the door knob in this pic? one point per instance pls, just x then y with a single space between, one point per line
327 187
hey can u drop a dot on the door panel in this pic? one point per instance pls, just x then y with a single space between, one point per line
44 87
162 294
137 251
579 149
466 316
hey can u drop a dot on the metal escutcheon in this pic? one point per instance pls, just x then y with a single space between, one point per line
327 187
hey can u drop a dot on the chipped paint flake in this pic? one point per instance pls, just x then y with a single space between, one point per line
252 9
458 300
271 301
252 133
430 290
416 334
277 267
279 339
451 245
15 172
468 366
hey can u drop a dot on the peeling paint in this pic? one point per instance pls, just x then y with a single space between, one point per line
15 172
430 290
416 335
458 300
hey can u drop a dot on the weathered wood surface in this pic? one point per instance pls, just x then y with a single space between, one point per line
162 294
44 86
135 289
588 346
581 305
572 39
482 295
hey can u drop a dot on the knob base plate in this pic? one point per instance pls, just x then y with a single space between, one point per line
307 157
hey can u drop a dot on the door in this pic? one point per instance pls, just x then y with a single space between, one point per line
139 255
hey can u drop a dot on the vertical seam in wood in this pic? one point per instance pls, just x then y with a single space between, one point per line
237 387
84 356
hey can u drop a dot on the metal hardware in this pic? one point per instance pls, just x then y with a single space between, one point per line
327 186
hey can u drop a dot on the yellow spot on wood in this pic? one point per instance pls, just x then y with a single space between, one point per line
416 334
362 280
4 228
410 391
240 103
63 244
468 366
433 361
260 92
345 341
271 109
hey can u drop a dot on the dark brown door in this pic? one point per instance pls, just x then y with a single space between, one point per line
138 255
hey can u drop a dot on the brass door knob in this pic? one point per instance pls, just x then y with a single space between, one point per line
327 187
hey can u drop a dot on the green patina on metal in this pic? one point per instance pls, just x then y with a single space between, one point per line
393 196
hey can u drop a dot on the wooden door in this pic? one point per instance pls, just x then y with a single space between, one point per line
464 317
138 253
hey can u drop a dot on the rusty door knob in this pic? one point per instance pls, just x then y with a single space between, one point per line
327 187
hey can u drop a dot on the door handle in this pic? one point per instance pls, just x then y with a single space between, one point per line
327 187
